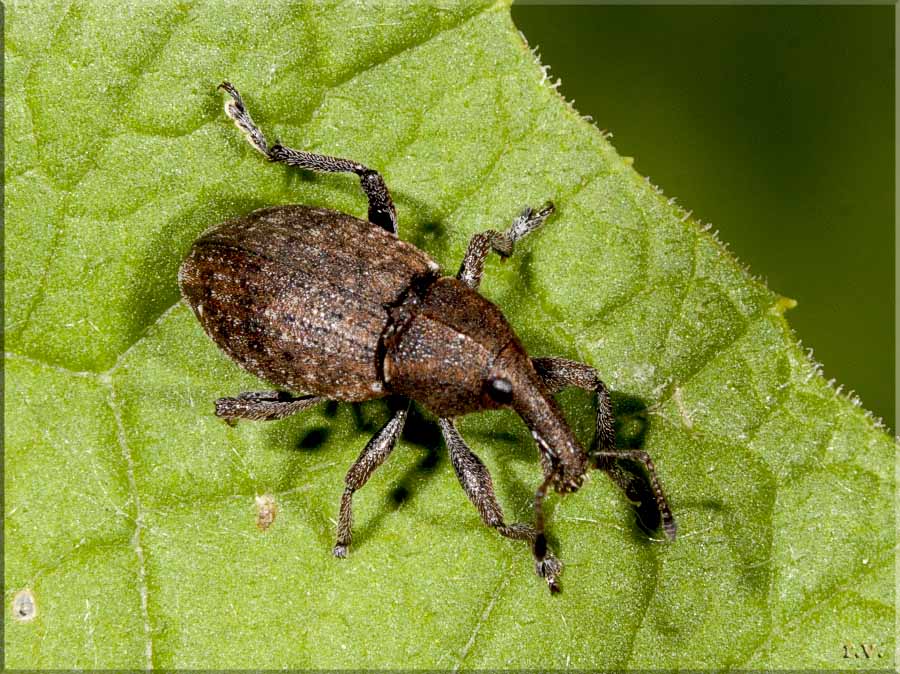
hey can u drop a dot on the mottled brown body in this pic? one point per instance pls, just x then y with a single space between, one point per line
301 296
320 302
443 348
324 304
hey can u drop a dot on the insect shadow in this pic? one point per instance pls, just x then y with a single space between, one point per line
425 435
632 421
420 431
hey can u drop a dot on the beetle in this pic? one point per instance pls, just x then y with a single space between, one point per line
323 304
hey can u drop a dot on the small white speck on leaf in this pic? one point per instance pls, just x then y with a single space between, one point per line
24 606
266 511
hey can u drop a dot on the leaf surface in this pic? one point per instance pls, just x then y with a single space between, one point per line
130 509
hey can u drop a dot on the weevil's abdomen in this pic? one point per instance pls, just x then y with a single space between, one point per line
300 296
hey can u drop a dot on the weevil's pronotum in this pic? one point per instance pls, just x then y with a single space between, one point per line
324 304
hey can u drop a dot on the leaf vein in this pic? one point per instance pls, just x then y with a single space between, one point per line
138 524
482 619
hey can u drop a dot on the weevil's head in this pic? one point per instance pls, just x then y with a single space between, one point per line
454 352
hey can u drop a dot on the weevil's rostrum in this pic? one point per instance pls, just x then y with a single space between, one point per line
332 307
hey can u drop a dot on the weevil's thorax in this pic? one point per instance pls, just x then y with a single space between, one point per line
443 346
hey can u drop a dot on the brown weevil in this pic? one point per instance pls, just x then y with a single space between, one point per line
324 304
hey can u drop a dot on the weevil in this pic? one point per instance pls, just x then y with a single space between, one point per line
327 306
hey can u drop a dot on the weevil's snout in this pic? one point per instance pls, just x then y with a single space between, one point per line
570 475
521 387
565 457
560 450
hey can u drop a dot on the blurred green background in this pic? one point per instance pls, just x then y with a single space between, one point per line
776 125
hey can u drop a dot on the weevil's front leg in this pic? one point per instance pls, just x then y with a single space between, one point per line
373 455
476 481
263 405
557 374
480 245
381 207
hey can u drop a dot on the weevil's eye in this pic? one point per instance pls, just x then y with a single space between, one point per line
499 389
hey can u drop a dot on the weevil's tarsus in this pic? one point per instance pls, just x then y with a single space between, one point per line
502 243
373 455
381 207
235 109
476 481
559 373
529 220
545 565
606 461
549 569
263 405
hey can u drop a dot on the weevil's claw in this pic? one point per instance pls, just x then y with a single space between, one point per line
339 551
549 569
236 99
528 221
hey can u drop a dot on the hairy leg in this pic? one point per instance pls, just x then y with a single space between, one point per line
263 405
503 243
373 455
559 373
381 207
476 481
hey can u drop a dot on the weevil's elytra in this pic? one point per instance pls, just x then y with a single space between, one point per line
306 297
336 308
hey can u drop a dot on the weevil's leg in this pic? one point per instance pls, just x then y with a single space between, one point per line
502 243
263 405
557 374
373 455
381 207
476 481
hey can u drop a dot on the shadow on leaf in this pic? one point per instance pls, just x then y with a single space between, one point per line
631 422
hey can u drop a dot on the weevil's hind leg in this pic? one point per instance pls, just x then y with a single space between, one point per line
263 405
502 243
476 481
373 455
381 207
559 373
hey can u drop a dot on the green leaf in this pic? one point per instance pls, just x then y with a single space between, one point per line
130 509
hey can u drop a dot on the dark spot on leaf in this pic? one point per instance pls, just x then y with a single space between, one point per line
400 495
314 438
